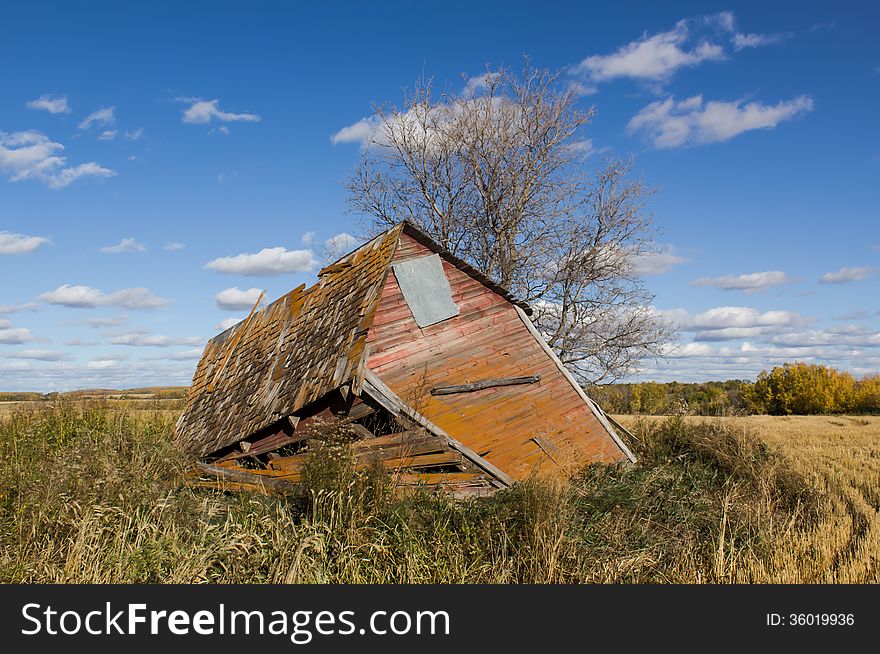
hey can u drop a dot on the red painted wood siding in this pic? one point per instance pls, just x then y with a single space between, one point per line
486 340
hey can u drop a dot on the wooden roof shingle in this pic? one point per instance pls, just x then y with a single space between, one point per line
288 354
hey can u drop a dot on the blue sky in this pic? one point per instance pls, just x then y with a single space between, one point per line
143 149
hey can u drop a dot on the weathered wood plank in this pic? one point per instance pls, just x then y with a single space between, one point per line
265 445
242 476
360 410
399 448
377 389
437 478
424 461
361 432
407 448
486 383
577 387
390 439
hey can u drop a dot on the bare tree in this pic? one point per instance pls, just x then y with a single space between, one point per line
497 175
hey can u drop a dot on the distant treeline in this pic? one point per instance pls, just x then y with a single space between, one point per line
158 393
793 388
22 397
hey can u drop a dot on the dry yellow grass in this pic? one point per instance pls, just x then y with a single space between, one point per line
842 455
94 492
136 406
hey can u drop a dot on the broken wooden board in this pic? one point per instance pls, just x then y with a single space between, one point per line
486 383
242 476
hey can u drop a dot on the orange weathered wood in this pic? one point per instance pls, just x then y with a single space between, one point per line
436 478
486 340
424 461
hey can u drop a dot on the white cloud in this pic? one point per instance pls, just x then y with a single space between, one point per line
652 58
731 323
341 244
140 339
11 243
226 323
657 263
194 353
670 124
582 88
14 335
12 308
107 135
822 26
741 41
38 355
583 148
426 125
476 84
97 323
103 364
51 103
235 299
265 263
125 245
101 118
201 112
725 20
858 314
767 339
360 132
748 282
109 371
31 155
173 246
133 135
80 342
857 337
845 275
87 297
67 176
680 350
308 238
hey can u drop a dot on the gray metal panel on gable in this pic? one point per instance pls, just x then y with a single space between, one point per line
425 289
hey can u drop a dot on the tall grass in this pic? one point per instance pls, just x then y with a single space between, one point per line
90 493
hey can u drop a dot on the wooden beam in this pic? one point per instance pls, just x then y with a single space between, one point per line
435 478
486 383
269 442
360 410
360 431
245 477
424 461
379 391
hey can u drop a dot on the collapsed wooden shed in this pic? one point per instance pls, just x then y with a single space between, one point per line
435 371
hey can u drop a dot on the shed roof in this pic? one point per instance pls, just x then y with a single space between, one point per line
298 348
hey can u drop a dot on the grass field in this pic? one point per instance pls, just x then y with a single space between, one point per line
95 492
841 456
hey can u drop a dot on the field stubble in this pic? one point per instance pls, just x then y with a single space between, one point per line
841 456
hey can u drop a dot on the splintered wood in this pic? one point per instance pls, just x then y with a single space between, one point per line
414 457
